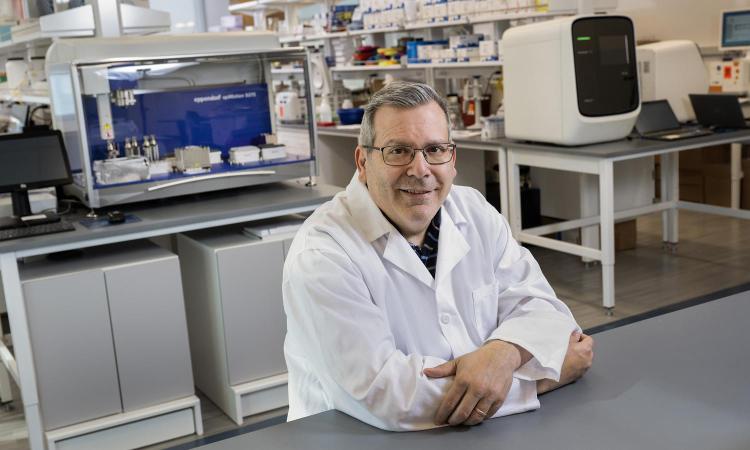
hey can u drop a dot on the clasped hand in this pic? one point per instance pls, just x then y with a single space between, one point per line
482 378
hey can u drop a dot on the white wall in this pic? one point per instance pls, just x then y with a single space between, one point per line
187 16
213 10
697 20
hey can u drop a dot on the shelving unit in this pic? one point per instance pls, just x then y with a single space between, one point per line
258 8
257 5
370 68
456 65
421 25
37 97
375 31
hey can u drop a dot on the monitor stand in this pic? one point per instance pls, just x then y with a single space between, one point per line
21 204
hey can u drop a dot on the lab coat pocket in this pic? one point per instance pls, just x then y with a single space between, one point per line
485 309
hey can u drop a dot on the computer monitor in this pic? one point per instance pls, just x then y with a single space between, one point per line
735 30
31 161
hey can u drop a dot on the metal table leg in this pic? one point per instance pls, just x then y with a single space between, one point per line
670 192
607 230
502 163
514 194
589 207
6 394
736 150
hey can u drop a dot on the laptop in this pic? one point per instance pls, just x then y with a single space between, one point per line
658 121
718 111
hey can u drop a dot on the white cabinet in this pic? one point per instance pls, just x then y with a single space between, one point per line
236 320
108 332
73 349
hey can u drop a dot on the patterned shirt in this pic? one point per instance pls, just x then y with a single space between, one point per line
427 253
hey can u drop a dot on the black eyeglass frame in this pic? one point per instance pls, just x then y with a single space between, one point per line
451 145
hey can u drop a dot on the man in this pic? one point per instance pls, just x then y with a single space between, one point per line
409 305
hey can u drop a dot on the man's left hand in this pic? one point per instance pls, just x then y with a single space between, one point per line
481 384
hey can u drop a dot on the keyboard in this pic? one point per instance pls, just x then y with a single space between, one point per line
35 230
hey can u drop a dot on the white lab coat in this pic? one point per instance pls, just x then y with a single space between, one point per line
365 317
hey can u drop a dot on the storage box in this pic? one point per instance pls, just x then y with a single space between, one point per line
691 159
691 186
626 235
717 184
745 191
717 154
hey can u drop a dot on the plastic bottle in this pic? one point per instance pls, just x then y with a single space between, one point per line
324 112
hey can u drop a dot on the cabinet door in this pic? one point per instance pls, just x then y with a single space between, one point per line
254 325
150 332
71 340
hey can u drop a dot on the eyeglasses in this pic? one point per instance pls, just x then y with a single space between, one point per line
402 155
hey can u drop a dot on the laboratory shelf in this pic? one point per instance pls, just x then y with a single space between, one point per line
461 65
40 97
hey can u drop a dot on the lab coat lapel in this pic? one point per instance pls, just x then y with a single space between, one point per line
452 245
399 252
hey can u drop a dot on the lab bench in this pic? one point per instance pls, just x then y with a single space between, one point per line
142 417
677 381
598 160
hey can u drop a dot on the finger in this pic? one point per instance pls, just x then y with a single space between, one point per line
464 409
443 370
494 409
588 341
575 336
449 403
480 411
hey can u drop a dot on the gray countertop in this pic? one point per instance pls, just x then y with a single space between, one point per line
677 381
184 214
632 146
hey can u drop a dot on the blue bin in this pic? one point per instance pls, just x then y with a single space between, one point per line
350 116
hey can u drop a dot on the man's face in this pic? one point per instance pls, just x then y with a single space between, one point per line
409 195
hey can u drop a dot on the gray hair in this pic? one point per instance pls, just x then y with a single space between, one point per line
402 95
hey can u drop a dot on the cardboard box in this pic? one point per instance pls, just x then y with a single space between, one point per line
717 154
717 184
625 235
691 159
745 190
698 158
691 186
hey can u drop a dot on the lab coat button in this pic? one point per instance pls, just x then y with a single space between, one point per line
445 318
